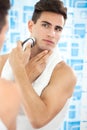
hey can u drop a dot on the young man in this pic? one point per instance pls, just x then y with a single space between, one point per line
9 97
45 81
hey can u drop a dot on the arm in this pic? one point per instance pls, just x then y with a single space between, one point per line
13 125
9 103
47 105
40 110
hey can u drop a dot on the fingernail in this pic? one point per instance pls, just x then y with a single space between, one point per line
46 51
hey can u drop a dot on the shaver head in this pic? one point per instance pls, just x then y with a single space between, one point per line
30 40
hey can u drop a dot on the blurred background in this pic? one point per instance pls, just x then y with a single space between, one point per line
73 47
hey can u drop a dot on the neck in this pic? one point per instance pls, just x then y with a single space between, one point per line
35 50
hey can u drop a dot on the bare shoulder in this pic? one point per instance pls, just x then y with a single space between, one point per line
64 76
66 70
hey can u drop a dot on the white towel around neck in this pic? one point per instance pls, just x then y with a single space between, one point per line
39 84
2 125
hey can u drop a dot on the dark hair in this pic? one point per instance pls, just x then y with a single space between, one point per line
4 7
55 6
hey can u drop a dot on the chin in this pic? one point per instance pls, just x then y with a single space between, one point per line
47 48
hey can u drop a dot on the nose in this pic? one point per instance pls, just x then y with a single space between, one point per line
51 32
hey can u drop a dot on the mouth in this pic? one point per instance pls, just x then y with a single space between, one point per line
49 42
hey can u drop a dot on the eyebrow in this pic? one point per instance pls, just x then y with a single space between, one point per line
51 24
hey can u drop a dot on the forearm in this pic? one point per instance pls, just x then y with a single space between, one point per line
13 125
34 106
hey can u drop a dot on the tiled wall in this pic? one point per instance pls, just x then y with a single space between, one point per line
73 46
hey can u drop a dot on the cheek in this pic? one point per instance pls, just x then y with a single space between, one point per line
58 36
37 31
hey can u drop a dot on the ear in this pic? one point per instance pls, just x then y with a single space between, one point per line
30 25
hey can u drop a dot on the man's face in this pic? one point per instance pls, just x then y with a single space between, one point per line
47 30
3 33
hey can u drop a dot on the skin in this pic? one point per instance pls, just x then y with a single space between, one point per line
9 103
3 32
9 97
49 31
42 109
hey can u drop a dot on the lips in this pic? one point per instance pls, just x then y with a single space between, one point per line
48 41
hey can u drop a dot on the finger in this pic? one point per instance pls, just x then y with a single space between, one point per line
25 45
28 49
40 55
44 59
19 44
28 46
48 54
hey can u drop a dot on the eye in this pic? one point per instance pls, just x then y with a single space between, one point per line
45 25
58 29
